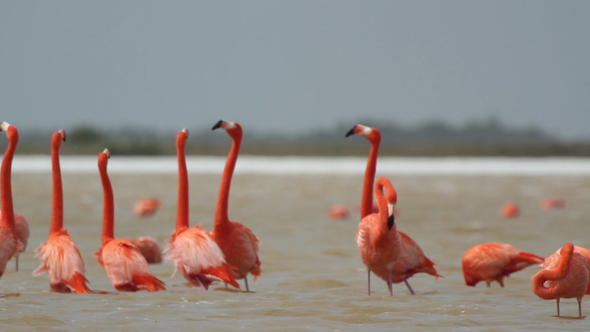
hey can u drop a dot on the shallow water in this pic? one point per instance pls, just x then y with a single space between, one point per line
313 278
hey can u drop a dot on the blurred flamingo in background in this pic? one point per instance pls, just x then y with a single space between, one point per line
11 245
338 211
238 242
552 203
377 238
121 258
150 249
411 258
510 210
60 256
146 207
192 249
566 276
495 261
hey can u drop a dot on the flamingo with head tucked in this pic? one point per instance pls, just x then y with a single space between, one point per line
60 256
238 242
411 258
192 249
564 275
121 258
377 238
11 245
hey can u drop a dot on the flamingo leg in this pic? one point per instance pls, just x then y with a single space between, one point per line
489 284
17 263
579 308
557 300
390 283
409 287
369 280
246 281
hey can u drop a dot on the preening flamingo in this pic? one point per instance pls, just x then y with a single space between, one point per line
377 238
60 256
150 249
495 261
411 258
566 276
11 245
122 260
193 250
553 259
238 242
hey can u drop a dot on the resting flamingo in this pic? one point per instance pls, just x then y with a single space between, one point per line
377 237
193 250
60 256
11 244
553 259
566 274
122 260
411 259
495 261
238 242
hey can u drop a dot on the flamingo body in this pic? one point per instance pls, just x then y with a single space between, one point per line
21 230
495 261
61 258
564 275
10 246
553 260
150 249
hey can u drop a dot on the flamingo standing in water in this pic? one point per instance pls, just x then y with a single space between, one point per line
377 237
193 250
238 242
21 229
122 260
411 258
566 274
11 245
495 261
553 260
60 255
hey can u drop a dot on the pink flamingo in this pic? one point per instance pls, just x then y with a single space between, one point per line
238 242
21 229
122 260
377 237
11 244
495 261
553 260
411 258
146 207
566 276
193 250
60 255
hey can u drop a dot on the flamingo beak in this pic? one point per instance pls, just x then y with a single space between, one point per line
217 125
350 132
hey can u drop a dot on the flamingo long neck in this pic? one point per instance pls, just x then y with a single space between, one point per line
108 214
221 213
6 185
182 209
383 210
367 197
57 215
560 272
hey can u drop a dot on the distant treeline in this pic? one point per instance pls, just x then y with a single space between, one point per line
486 138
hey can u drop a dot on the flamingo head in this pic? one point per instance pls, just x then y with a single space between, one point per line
181 138
567 249
57 138
233 128
372 134
103 158
11 131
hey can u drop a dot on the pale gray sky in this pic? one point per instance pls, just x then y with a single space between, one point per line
294 65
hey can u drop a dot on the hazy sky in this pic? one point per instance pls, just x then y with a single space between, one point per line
290 66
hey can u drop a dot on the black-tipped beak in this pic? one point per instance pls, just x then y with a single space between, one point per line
350 132
217 125
390 221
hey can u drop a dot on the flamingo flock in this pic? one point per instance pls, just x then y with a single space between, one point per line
230 251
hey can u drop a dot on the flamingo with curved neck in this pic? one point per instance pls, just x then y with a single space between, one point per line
412 260
193 250
11 244
59 255
377 237
238 242
566 273
121 258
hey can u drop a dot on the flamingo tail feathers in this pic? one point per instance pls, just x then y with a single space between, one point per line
78 284
529 257
149 282
223 272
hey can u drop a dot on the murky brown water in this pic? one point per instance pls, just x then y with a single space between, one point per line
313 278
